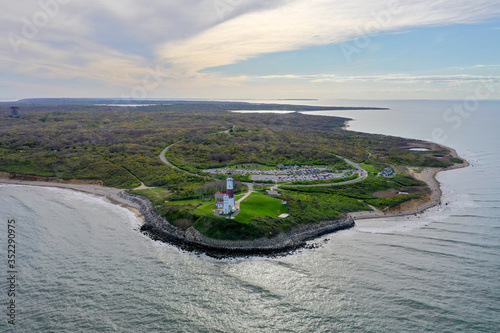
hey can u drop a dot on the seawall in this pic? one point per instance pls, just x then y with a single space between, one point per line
158 228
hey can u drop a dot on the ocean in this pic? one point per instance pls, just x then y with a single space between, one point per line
83 266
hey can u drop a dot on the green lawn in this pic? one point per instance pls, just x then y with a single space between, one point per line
156 195
260 204
206 209
369 168
187 202
199 206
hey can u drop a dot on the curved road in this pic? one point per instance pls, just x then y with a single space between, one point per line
362 173
164 160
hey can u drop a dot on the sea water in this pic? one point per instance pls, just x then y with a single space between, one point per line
83 266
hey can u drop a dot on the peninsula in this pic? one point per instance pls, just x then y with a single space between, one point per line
293 177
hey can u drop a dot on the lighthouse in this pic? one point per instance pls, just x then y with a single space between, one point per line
226 209
224 201
230 192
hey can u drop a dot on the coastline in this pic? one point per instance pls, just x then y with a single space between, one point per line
417 206
158 228
425 174
90 187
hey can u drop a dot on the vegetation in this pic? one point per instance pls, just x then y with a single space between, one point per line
156 195
373 167
120 147
259 204
258 218
308 207
364 191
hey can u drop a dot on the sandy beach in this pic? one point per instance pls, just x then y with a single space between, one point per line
89 187
427 175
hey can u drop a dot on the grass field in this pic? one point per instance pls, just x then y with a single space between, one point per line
370 168
206 208
156 195
260 204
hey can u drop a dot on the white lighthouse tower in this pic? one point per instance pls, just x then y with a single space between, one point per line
230 192
226 210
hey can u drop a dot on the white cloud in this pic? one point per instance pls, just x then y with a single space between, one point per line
302 23
104 40
114 42
389 78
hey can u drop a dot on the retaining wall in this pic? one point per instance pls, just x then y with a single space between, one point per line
158 228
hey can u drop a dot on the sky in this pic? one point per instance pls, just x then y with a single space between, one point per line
250 49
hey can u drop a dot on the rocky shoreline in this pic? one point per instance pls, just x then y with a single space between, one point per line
159 228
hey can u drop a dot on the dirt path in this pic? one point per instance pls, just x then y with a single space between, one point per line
143 187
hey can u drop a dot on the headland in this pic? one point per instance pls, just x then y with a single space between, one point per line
296 176
158 228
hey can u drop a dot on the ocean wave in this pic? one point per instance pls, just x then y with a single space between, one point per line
476 216
392 225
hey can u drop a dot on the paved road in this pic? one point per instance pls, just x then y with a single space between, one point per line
396 172
250 191
362 173
164 160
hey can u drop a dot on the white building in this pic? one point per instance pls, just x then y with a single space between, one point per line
226 210
225 200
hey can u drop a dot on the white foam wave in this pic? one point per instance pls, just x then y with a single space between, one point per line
403 224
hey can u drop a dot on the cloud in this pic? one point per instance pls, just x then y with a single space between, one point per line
487 66
108 41
389 78
118 42
303 23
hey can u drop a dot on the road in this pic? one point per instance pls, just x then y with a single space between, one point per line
250 191
164 160
362 173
